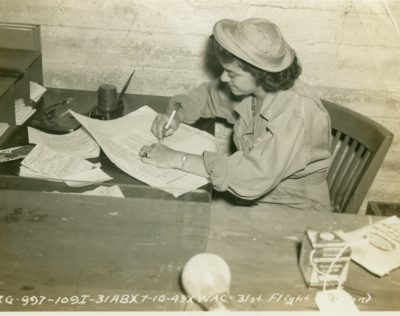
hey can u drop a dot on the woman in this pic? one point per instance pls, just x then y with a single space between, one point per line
281 130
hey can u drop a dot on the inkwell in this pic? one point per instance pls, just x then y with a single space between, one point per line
109 106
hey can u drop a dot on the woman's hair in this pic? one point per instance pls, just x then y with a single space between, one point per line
270 81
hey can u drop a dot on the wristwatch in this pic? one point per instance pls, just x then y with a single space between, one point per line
183 160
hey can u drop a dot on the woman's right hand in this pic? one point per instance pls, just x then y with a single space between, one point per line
175 104
159 124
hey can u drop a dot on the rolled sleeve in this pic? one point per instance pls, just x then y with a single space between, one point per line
208 100
215 164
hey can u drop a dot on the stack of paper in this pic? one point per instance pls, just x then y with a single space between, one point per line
78 143
43 162
22 111
36 91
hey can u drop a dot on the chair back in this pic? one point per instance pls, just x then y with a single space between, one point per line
359 145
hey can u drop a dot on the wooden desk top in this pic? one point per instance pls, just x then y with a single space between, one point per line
66 246
262 244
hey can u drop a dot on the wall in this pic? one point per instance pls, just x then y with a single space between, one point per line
350 49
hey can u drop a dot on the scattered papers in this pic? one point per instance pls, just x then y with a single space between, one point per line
14 153
78 143
121 140
22 111
36 91
376 247
3 128
95 175
43 162
113 191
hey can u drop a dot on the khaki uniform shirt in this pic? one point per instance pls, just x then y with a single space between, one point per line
283 150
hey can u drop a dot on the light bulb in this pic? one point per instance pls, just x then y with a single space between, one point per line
206 278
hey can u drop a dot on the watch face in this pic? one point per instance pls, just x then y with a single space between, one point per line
183 160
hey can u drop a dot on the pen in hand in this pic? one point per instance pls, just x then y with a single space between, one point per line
168 124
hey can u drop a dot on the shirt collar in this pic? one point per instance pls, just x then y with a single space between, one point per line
244 107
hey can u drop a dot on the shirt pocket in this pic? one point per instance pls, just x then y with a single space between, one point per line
261 131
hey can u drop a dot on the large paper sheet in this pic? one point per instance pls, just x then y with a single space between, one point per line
121 140
376 247
78 143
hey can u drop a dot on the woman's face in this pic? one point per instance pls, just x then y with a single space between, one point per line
240 82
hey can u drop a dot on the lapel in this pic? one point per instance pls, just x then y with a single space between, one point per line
266 112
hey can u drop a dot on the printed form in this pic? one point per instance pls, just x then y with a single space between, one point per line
43 162
121 140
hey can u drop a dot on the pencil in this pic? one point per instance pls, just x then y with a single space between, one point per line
168 124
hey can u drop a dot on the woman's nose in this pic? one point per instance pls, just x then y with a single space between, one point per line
224 77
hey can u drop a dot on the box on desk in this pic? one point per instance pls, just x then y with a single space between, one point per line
324 258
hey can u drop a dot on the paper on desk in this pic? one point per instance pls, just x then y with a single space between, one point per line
36 91
22 111
376 247
121 140
78 143
88 177
43 162
113 191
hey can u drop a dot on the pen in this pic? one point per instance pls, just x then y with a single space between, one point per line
53 107
168 124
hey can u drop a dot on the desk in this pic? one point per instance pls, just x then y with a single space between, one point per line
261 246
84 102
81 245
59 245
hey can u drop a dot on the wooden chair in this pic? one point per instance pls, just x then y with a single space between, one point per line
359 146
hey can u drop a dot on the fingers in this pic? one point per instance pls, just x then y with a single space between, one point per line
143 154
145 150
150 154
158 125
171 129
169 132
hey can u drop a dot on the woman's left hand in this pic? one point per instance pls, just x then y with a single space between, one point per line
160 155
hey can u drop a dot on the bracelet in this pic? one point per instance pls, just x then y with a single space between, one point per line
183 160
